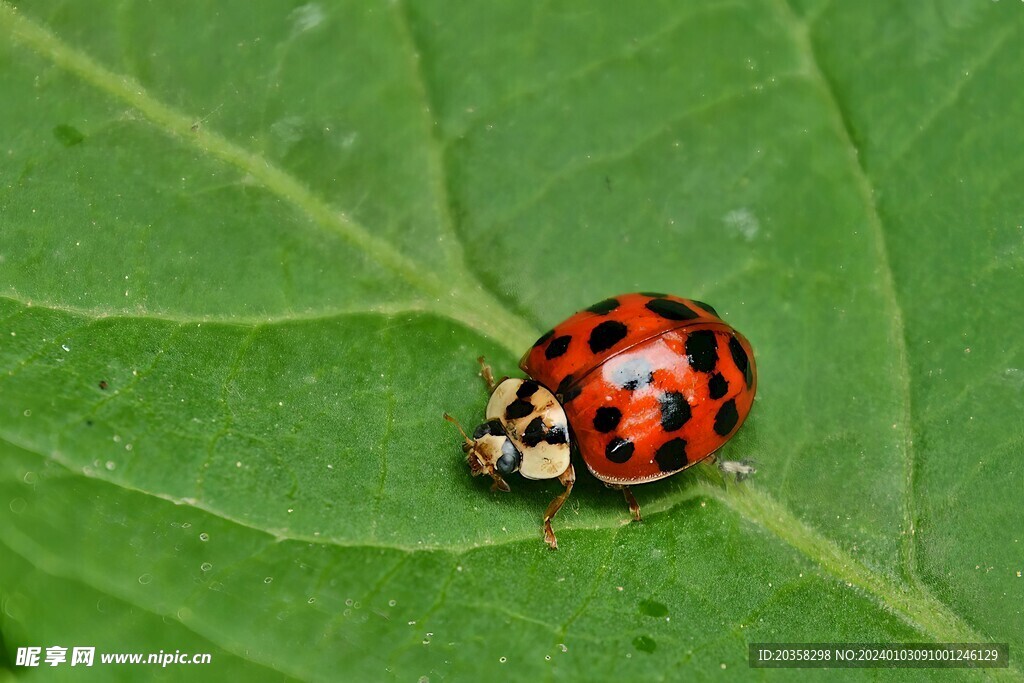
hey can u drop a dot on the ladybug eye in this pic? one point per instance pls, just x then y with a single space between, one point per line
506 464
509 460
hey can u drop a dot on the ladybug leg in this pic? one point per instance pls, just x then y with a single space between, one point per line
499 483
566 479
488 374
634 507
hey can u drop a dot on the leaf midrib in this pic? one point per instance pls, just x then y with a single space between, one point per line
511 331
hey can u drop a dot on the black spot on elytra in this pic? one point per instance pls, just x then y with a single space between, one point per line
544 337
527 389
671 310
739 357
717 386
565 391
707 307
702 348
490 427
606 335
535 432
619 450
69 136
675 411
604 307
631 374
671 455
606 419
556 436
517 409
656 295
726 418
557 347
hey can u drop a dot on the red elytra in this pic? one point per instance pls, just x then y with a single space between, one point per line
651 384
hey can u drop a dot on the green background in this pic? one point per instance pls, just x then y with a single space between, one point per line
249 253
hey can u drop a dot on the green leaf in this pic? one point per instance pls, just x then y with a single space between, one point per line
249 254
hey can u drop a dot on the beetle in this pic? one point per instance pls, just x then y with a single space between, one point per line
643 385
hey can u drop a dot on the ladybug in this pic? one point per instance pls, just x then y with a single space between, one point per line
643 385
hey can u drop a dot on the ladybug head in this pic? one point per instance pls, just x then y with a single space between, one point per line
490 451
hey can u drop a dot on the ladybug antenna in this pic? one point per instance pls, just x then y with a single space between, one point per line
474 461
458 426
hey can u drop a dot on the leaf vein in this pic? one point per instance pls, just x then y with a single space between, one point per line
389 423
387 310
635 49
953 95
801 35
436 162
227 414
137 376
454 293
915 606
572 169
